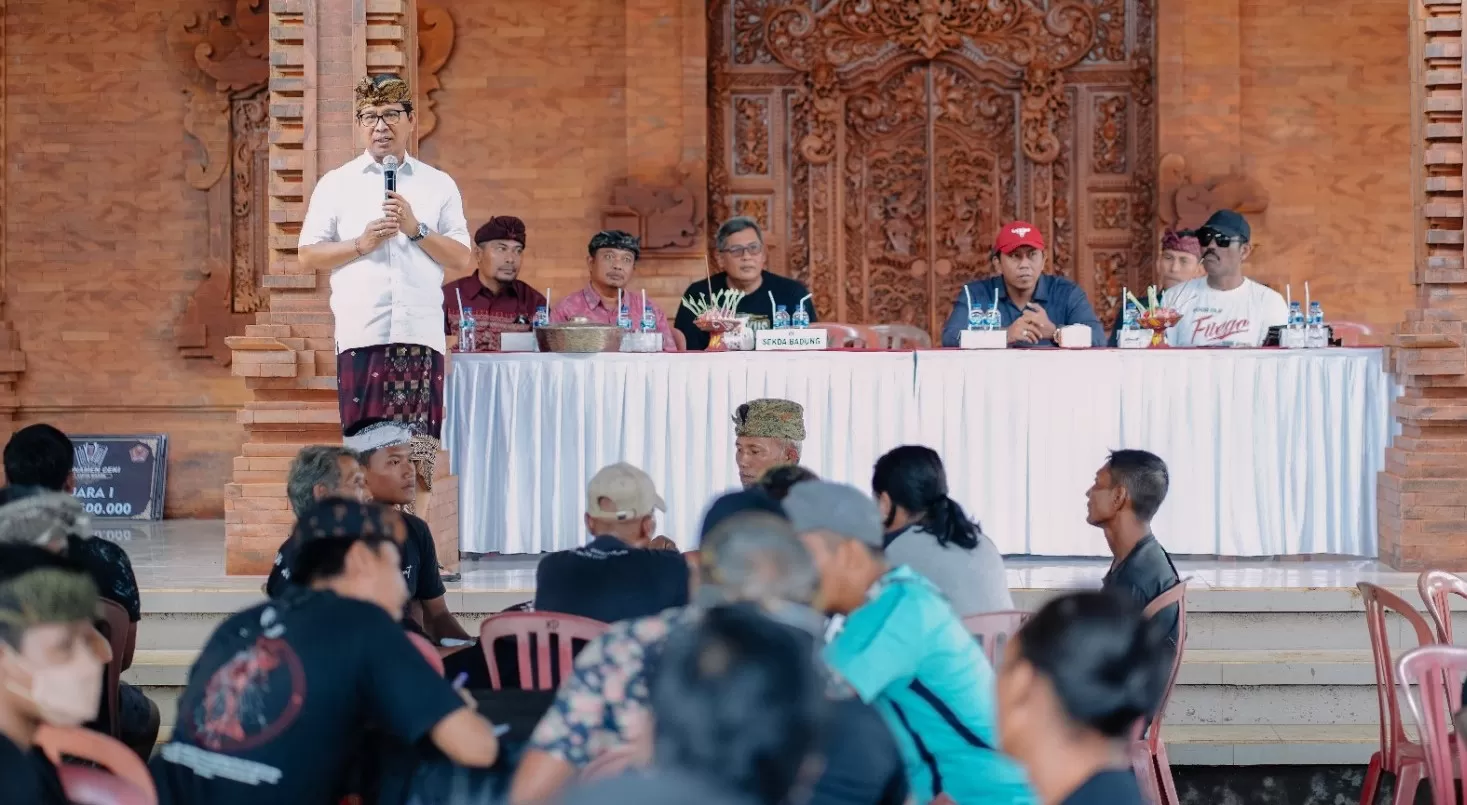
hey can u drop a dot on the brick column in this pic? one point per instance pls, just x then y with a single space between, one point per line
319 49
12 360
1423 491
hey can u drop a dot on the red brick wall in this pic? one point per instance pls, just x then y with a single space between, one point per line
1312 99
104 236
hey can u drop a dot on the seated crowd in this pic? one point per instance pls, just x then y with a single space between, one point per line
811 650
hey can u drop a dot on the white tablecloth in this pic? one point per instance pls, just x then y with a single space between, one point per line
1270 451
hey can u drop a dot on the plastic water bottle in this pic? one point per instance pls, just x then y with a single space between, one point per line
1128 317
542 316
781 318
993 320
1317 336
1293 337
977 318
624 318
649 319
801 318
466 331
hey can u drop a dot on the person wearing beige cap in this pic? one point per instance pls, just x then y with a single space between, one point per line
618 574
768 433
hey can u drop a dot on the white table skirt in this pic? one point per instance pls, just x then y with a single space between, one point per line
1271 452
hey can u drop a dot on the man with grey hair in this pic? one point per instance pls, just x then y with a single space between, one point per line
768 433
748 555
743 257
904 650
317 472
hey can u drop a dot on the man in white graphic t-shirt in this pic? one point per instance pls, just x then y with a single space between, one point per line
1224 308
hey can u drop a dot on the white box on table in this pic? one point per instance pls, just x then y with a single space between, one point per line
641 342
983 339
790 339
1074 336
518 342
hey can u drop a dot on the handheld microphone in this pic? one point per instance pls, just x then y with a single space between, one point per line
389 174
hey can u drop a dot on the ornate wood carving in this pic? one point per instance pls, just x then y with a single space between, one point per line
1185 204
902 133
666 216
435 45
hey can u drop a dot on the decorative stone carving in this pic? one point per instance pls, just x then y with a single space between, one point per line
1108 145
1110 212
751 136
667 217
435 45
1185 204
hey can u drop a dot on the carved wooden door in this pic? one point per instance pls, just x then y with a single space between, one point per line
882 143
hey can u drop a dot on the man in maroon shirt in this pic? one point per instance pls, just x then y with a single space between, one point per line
499 301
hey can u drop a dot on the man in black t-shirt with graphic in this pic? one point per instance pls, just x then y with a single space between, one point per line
279 698
616 575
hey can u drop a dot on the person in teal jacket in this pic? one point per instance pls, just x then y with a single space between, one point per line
904 650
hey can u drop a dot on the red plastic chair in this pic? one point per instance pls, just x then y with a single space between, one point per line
993 629
1398 754
121 635
1437 587
1350 333
854 336
1436 672
520 626
1161 785
903 336
128 783
430 652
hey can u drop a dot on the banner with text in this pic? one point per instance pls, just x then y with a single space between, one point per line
121 477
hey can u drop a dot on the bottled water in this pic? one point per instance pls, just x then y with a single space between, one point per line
1293 336
624 318
994 319
649 319
801 318
466 331
781 318
977 318
542 316
1128 317
1317 335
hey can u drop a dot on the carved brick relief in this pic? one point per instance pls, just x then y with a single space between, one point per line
1185 203
435 45
667 216
916 128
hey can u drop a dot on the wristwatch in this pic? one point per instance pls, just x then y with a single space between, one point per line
423 231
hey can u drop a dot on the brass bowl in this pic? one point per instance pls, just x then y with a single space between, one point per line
579 335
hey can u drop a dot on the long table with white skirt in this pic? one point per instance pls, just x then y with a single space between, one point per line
1271 452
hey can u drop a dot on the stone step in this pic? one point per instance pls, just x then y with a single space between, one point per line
1271 744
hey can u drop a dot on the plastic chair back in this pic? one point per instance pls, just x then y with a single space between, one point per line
85 785
94 747
1177 594
993 629
118 630
429 651
1436 672
903 336
1377 601
850 335
543 625
1349 333
1437 587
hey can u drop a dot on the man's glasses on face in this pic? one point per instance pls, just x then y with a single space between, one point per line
753 250
1210 236
370 120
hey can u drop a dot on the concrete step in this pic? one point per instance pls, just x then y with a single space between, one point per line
1271 745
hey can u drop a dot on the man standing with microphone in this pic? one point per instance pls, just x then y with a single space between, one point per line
386 225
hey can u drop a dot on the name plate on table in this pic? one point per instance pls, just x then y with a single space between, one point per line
641 342
983 339
1133 339
121 476
790 339
518 342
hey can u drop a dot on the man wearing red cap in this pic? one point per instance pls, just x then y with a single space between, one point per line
1031 304
493 292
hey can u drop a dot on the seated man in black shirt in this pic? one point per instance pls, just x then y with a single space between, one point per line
317 472
743 258
280 694
616 575
1126 494
51 660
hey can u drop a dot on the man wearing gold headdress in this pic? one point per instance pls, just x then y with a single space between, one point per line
387 252
768 433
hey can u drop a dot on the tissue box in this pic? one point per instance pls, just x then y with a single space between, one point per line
790 339
641 342
518 342
1133 339
1074 336
983 339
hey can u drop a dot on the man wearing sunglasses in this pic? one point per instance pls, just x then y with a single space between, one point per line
1224 308
743 256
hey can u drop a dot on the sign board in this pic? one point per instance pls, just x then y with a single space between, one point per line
790 339
121 476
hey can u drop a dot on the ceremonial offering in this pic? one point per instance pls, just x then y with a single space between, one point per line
1152 316
579 335
717 315
1074 336
793 339
641 342
983 339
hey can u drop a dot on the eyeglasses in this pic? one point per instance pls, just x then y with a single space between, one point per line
753 250
370 120
1207 236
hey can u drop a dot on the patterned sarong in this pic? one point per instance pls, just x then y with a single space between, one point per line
402 382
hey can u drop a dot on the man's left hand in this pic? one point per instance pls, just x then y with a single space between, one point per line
1037 315
398 207
662 544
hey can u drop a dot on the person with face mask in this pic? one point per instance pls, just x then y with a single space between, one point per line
1074 681
51 660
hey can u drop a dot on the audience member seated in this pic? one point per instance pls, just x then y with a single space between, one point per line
1073 683
929 532
1224 308
317 472
778 480
39 460
1126 494
904 650
51 660
616 576
747 554
768 433
282 691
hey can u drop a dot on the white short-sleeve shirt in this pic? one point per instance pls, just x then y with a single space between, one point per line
393 295
1212 318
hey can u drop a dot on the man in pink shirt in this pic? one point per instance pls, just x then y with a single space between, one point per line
613 257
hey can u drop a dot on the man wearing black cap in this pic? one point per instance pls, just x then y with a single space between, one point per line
1224 308
494 291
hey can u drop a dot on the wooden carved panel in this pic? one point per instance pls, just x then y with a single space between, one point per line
901 134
